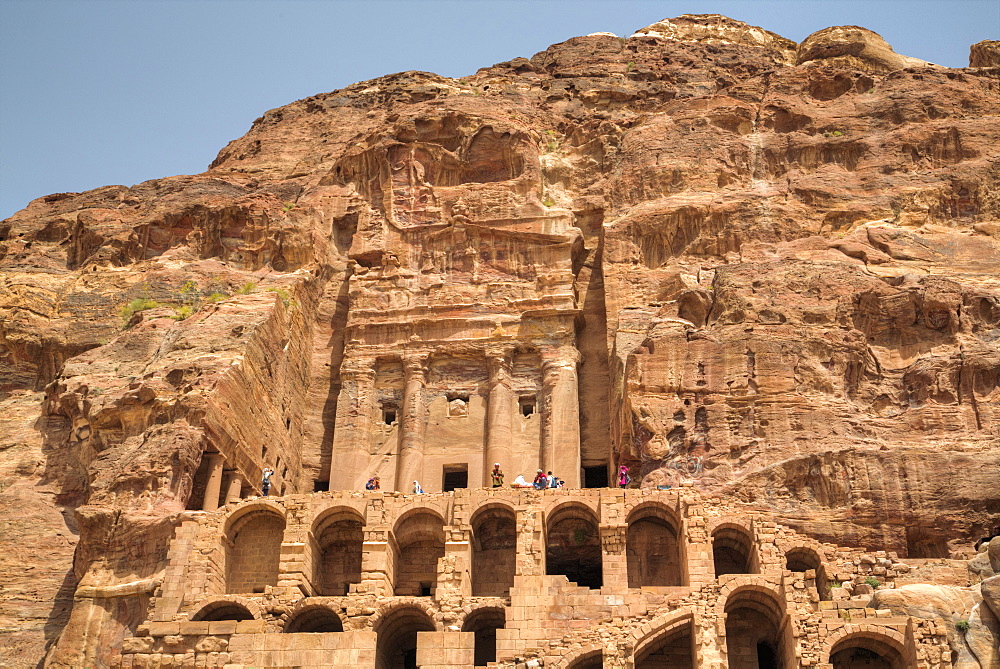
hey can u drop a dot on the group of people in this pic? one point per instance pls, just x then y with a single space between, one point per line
542 480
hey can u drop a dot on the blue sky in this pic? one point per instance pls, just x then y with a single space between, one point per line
121 91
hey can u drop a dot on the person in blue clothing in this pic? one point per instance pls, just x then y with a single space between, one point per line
265 481
540 482
417 490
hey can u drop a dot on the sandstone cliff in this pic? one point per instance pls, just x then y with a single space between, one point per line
772 271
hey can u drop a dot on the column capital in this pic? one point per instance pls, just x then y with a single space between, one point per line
499 363
357 369
564 356
414 363
556 360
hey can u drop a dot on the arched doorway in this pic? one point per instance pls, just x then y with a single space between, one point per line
573 545
494 537
652 548
396 637
253 551
866 651
732 551
801 559
755 631
484 623
315 619
420 542
339 538
673 649
223 610
592 660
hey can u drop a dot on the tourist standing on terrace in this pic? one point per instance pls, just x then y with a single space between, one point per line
265 481
497 475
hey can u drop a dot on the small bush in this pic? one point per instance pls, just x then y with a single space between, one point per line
548 201
962 626
286 299
247 288
216 297
872 581
182 312
836 584
135 306
631 65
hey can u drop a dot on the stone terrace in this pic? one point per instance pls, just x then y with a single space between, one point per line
504 577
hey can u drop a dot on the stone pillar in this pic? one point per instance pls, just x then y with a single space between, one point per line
454 574
214 485
412 424
614 562
560 449
378 563
350 461
530 560
499 410
235 490
614 539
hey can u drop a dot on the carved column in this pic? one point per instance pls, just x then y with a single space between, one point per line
560 448
412 424
233 493
214 485
499 409
350 461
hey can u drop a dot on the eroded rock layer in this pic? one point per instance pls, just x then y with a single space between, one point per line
767 270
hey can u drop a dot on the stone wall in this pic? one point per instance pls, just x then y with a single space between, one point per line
791 600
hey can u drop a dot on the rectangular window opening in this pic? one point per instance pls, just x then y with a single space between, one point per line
321 486
389 414
596 476
455 476
527 405
425 589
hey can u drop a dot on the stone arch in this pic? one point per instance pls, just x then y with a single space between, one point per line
396 630
573 544
421 504
419 542
313 617
654 551
666 641
484 623
494 550
253 537
733 550
802 559
757 626
864 647
229 607
590 657
337 542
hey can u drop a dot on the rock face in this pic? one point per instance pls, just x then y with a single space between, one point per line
853 47
985 54
765 270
